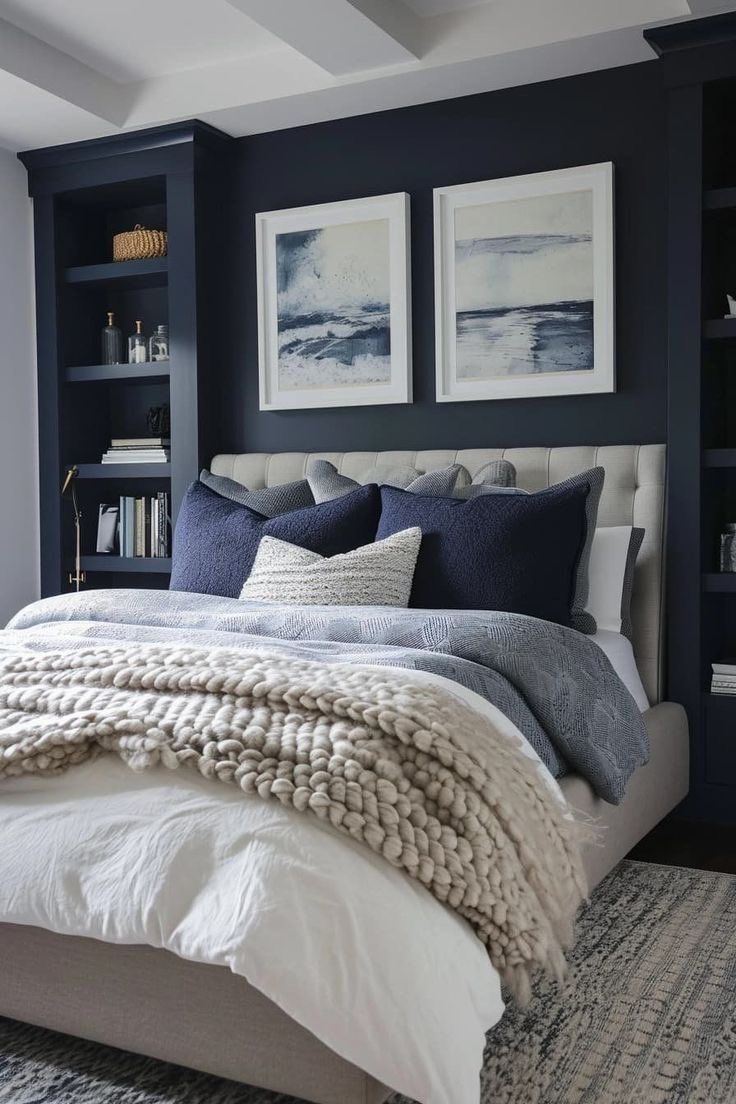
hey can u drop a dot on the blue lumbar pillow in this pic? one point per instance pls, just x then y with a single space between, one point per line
216 539
516 553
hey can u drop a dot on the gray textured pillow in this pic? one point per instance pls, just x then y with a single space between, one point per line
269 501
495 477
627 591
326 482
378 574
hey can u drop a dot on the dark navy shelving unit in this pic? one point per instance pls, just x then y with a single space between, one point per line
121 274
699 67
84 193
103 373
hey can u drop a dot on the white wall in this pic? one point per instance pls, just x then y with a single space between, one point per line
19 551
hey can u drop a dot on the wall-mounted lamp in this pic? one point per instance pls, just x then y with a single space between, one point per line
77 577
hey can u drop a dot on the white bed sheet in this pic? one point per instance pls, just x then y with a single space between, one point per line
347 945
620 653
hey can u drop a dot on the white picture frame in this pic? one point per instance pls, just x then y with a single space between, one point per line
334 298
527 238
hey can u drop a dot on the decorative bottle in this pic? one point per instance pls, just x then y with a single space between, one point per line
137 346
158 343
112 342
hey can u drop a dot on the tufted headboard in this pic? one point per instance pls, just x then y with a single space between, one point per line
633 495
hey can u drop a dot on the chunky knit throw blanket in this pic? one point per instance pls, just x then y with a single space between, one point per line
392 759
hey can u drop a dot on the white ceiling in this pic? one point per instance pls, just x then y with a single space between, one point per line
73 69
136 39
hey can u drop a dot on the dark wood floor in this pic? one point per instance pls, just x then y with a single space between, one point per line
690 843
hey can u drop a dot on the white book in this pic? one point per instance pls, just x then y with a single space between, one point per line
158 458
724 669
722 692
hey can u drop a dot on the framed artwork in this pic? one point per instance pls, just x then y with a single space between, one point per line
524 286
334 304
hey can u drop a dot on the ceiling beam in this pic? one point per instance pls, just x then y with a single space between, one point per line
341 36
31 60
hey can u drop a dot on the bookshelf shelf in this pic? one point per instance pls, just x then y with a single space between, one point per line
719 458
138 565
719 199
699 75
157 372
719 582
121 274
170 178
124 471
719 329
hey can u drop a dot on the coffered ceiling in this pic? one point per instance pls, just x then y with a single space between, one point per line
72 69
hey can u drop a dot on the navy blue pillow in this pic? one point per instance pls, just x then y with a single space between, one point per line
517 553
216 539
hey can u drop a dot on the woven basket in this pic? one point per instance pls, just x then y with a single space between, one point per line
139 244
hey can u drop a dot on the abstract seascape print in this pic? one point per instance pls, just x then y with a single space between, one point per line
524 286
333 306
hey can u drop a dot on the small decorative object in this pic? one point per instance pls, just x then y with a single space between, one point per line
158 421
728 548
76 577
333 304
112 342
524 285
139 244
731 306
137 346
107 528
158 343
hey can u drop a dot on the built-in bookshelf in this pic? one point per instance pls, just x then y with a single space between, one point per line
699 60
166 179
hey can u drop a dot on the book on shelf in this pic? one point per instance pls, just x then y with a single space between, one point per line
723 680
107 528
145 525
138 450
140 456
140 442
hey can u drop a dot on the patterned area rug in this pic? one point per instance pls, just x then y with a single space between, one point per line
648 1014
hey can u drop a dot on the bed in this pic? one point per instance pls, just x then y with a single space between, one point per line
149 1000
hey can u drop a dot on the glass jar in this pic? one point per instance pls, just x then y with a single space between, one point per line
728 548
112 342
158 343
137 353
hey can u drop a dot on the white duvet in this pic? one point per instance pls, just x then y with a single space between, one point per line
347 945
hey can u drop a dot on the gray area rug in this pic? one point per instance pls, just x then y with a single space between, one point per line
647 1014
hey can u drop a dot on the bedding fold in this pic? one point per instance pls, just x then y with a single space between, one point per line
552 682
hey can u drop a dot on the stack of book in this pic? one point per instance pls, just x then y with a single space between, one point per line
724 678
145 526
138 450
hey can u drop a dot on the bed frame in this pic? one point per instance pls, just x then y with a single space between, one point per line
151 1002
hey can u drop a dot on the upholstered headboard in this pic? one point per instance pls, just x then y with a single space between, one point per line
633 495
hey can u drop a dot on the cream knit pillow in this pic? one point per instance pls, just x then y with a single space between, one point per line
378 574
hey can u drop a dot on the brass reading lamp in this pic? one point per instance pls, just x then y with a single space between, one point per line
77 576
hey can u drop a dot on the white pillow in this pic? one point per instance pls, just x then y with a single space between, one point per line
378 574
611 576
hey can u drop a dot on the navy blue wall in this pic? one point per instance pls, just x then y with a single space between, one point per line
617 115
